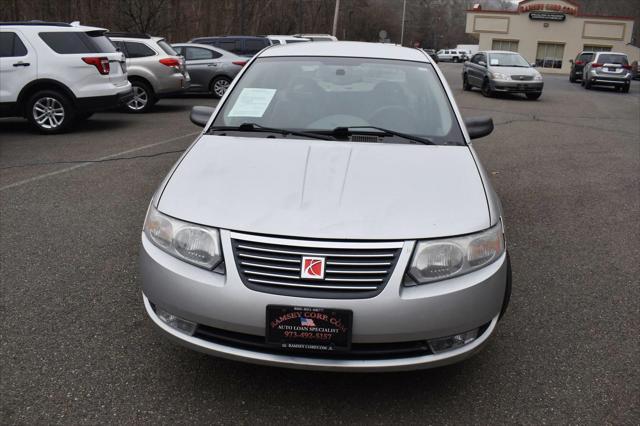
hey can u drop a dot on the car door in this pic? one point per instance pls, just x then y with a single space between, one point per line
18 65
478 66
202 64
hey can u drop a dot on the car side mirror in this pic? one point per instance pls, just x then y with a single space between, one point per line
482 63
533 64
200 115
478 127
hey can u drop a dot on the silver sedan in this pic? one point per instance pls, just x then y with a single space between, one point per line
211 69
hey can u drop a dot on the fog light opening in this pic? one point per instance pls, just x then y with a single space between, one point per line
175 322
450 343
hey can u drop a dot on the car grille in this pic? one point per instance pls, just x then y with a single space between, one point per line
522 77
360 271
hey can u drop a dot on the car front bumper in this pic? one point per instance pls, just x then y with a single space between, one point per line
516 86
223 304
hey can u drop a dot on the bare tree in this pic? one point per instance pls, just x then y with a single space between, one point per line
144 16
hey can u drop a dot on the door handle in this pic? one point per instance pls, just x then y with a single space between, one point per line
21 64
212 65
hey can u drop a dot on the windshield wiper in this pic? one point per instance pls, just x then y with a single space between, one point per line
344 132
253 127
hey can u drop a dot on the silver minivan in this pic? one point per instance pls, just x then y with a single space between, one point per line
332 215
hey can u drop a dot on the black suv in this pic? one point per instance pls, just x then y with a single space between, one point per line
577 66
240 45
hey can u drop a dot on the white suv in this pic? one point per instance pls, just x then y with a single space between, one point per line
55 74
452 55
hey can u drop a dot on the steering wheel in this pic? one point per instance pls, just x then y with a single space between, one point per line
391 116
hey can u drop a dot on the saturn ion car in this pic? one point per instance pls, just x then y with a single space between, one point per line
333 215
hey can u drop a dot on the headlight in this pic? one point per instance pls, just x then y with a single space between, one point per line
435 260
538 77
500 76
192 243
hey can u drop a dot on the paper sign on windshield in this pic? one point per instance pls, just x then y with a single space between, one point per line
252 102
495 62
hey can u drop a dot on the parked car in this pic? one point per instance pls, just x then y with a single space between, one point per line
154 69
578 64
452 55
496 71
246 46
211 69
608 69
635 70
317 37
321 224
286 39
55 74
432 53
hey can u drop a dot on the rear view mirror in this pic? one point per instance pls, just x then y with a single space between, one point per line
200 115
478 127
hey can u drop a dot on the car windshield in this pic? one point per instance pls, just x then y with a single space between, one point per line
323 93
507 60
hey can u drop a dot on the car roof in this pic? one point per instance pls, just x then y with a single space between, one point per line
228 36
347 49
610 53
499 51
35 26
204 46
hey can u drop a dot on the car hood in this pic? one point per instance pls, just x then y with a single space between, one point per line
515 70
325 189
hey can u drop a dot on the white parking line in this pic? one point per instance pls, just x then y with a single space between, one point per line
108 157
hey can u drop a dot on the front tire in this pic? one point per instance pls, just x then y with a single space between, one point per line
533 96
143 98
572 78
486 89
625 88
50 112
219 86
465 83
455 59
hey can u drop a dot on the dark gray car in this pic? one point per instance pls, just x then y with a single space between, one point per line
211 69
496 71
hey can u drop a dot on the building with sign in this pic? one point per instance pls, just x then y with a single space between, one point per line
551 32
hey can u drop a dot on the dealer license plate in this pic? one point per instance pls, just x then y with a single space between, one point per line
309 329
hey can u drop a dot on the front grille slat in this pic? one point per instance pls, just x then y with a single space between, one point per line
334 287
358 263
279 268
344 271
358 271
310 253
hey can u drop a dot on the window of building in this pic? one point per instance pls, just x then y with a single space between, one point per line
549 55
508 45
594 48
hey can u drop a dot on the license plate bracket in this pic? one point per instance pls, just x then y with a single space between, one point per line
308 329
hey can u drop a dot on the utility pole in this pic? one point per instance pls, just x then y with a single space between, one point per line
335 18
404 9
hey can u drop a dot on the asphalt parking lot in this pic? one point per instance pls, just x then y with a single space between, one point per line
77 348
